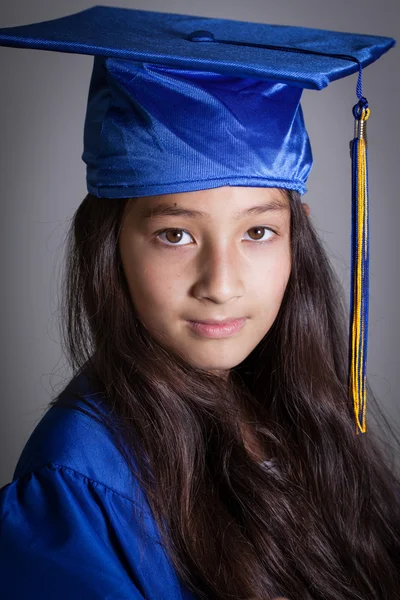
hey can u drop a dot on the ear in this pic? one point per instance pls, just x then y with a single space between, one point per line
306 208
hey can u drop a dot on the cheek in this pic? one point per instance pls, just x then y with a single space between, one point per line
270 281
153 287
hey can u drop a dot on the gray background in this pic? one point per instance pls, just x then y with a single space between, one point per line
42 181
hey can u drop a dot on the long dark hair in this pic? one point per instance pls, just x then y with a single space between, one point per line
324 523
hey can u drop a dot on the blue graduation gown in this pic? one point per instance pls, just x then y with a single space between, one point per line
67 519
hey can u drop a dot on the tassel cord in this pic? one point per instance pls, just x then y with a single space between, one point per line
360 248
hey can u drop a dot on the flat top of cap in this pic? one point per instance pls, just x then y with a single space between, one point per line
164 39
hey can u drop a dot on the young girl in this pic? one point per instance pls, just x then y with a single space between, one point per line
205 447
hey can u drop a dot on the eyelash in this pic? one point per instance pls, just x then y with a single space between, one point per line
174 246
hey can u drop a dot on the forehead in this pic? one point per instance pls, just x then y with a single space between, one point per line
236 202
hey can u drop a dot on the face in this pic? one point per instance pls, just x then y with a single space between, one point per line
231 261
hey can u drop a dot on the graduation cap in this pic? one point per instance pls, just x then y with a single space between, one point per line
181 103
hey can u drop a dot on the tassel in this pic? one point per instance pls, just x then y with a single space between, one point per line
359 267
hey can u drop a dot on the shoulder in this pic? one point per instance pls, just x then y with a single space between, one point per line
70 436
74 520
72 537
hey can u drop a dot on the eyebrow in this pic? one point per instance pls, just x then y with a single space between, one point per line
169 210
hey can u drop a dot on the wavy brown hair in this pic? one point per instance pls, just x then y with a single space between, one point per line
325 525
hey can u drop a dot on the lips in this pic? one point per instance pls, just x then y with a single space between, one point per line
217 329
217 321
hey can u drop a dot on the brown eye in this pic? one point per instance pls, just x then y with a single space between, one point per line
259 232
173 235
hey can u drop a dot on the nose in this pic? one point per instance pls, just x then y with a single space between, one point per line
218 274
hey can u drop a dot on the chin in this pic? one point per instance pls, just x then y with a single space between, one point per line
217 366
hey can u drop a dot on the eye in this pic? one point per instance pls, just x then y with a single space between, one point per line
261 229
175 235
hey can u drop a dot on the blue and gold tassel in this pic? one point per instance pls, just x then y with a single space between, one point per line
359 300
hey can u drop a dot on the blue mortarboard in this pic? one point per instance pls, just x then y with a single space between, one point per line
182 103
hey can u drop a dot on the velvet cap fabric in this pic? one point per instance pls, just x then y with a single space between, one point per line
181 103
